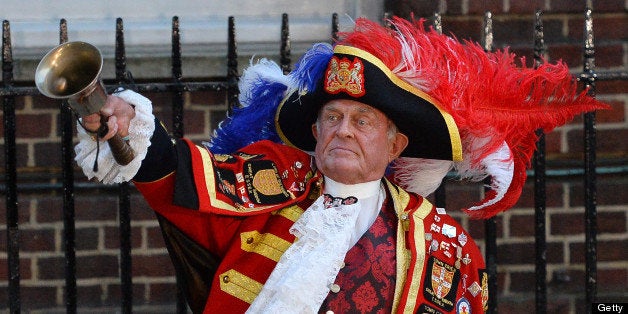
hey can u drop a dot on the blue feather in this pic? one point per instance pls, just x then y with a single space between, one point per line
252 123
311 67
262 88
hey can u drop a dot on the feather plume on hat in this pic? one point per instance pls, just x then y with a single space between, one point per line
262 87
497 105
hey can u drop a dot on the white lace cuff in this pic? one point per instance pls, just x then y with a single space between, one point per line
141 130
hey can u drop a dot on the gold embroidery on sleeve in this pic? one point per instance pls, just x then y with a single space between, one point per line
265 244
239 285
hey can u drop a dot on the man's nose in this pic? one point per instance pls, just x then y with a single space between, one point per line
345 129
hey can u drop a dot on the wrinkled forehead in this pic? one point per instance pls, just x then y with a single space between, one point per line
352 106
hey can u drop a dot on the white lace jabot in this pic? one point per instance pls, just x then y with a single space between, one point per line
301 280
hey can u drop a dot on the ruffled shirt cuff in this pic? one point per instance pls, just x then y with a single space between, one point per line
141 130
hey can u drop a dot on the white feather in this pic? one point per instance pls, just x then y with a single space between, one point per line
420 175
264 70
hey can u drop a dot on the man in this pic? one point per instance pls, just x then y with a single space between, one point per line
295 207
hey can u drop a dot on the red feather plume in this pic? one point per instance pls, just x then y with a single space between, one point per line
492 99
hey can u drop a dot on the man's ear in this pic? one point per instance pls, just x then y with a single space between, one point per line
315 131
398 144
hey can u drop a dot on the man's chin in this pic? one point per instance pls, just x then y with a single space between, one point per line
342 173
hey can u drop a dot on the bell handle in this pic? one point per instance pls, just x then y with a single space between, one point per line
120 148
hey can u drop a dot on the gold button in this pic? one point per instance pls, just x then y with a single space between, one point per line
334 288
250 240
225 279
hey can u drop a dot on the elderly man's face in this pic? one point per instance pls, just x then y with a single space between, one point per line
353 142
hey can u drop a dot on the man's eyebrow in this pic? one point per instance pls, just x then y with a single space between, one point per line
365 109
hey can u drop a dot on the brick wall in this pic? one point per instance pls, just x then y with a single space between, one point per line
97 251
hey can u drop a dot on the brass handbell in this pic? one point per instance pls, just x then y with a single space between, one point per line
71 71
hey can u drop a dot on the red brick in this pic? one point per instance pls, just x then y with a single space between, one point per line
612 280
481 6
608 188
608 141
461 194
161 293
606 191
38 297
526 7
612 250
86 239
155 238
522 225
25 270
21 205
454 7
611 222
607 251
605 28
611 87
91 207
97 265
477 228
43 102
611 6
608 56
553 194
21 155
567 6
48 155
566 224
552 143
464 29
33 125
89 295
616 114
570 54
154 265
566 281
114 294
140 209
51 268
37 240
194 122
212 98
112 237
522 281
508 31
49 208
524 253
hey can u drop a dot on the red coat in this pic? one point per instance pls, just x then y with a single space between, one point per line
228 232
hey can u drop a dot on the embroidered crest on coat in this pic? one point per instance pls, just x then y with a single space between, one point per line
441 283
347 76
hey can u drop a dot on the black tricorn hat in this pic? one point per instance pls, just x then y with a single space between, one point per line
357 75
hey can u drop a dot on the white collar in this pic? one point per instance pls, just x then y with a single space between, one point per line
359 190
